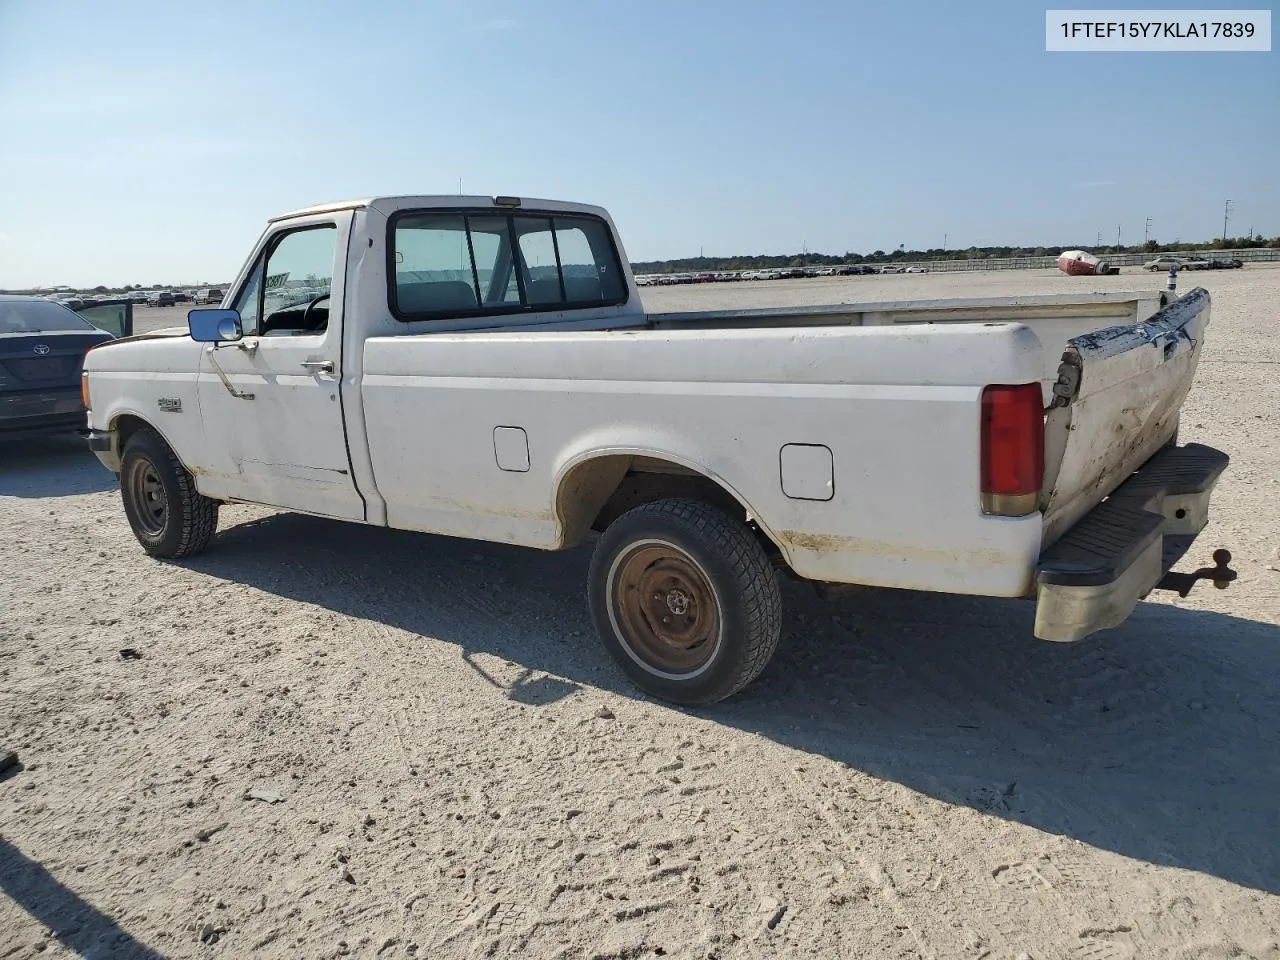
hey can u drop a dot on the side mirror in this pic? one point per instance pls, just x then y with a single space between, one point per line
214 326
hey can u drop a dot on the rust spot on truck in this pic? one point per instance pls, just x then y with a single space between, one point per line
890 554
820 542
857 546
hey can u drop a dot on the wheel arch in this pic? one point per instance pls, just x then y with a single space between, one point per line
125 423
595 486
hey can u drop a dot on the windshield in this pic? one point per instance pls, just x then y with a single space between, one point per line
38 316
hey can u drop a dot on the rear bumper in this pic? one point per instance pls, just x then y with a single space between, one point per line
1094 576
41 411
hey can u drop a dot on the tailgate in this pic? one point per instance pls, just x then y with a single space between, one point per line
1115 404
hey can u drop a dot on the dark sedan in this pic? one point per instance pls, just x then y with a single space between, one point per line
42 349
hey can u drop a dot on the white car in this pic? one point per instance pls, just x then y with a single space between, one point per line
1163 263
992 453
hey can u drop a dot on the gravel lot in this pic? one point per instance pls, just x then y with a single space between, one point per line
331 740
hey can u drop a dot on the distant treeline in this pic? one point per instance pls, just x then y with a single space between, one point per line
779 261
102 290
773 262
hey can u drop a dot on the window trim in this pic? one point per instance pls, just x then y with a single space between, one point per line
260 264
501 309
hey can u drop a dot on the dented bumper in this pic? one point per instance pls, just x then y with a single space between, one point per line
1095 574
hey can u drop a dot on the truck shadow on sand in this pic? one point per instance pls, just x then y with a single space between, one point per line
55 466
79 926
1157 741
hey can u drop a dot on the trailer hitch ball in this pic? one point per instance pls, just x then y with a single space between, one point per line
1221 559
1219 573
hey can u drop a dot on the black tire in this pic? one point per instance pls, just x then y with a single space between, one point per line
168 516
691 563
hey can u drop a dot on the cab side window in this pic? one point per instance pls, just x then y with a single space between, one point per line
288 291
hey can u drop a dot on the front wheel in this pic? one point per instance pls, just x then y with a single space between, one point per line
685 600
168 515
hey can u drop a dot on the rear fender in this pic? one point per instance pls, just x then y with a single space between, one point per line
585 482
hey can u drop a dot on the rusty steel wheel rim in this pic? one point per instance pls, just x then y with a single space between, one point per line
149 499
664 610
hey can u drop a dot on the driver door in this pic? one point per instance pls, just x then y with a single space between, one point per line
274 425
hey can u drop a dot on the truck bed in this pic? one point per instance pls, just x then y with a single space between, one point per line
890 390
1055 318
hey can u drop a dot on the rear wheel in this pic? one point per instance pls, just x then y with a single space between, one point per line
168 515
685 600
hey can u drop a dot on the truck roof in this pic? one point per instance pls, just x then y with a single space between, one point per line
390 204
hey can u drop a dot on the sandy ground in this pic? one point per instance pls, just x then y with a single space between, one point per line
335 740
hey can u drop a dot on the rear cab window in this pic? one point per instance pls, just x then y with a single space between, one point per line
476 263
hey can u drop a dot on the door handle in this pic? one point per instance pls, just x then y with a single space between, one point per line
318 366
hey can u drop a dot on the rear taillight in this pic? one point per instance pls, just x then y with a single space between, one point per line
84 390
1012 449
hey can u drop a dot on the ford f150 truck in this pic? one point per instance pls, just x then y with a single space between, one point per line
482 367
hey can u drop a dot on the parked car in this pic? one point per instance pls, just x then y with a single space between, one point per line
1163 263
42 349
1195 265
162 298
1231 264
845 444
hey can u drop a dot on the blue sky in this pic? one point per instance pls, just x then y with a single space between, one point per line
147 142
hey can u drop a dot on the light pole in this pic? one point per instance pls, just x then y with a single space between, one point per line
1226 210
1146 232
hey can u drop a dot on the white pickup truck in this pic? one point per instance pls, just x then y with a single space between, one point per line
482 367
